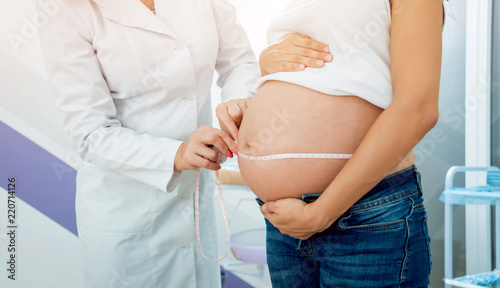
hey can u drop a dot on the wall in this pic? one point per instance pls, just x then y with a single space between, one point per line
444 146
495 89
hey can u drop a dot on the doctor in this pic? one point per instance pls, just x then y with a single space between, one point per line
133 83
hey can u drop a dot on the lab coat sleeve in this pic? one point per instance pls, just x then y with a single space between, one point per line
236 64
82 95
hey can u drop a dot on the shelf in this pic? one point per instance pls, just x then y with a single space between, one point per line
482 280
481 195
488 194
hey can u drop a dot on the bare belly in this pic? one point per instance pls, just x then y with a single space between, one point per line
286 118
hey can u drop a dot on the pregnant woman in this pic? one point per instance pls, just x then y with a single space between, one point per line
348 221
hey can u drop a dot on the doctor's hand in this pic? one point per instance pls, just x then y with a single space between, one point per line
295 217
230 115
197 153
294 52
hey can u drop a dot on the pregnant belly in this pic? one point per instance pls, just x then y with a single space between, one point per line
286 118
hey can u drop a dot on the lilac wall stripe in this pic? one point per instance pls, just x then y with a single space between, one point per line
233 281
43 181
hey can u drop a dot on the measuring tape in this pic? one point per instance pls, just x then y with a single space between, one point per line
220 159
296 156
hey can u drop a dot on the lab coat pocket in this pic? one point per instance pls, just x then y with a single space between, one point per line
117 261
109 203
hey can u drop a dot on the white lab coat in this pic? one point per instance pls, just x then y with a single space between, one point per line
132 86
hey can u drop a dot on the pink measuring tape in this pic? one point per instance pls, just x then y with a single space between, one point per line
220 159
296 156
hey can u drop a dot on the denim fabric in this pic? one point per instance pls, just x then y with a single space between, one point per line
381 241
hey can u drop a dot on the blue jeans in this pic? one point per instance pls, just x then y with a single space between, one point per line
381 241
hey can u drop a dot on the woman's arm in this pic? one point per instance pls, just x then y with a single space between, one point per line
415 69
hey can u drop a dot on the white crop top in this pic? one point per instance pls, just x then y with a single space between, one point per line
358 33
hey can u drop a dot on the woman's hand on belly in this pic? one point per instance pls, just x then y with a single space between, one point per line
294 217
294 52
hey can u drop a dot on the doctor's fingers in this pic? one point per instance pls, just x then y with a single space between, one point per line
204 157
243 106
235 111
230 128
226 122
215 137
202 162
207 153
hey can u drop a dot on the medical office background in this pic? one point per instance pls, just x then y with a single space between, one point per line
35 150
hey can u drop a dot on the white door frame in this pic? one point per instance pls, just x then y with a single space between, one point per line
478 129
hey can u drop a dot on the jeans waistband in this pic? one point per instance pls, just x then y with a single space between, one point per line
398 185
308 198
394 186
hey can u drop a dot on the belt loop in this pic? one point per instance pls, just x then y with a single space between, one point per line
300 244
418 179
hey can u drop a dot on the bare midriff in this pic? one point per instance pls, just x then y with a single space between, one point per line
287 118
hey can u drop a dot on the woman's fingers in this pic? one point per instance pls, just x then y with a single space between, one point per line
294 52
269 211
311 54
283 63
269 207
291 216
299 59
305 42
290 67
306 56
